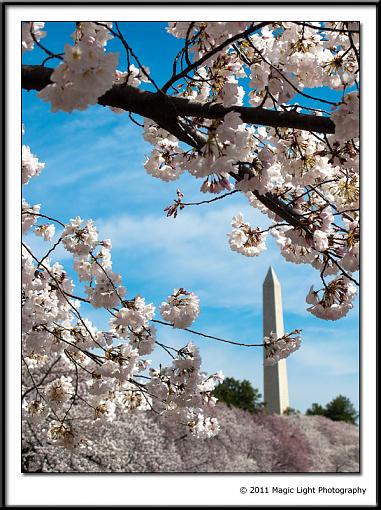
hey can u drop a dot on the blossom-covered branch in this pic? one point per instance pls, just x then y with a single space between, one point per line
152 105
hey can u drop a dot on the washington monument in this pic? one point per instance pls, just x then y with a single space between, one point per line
274 377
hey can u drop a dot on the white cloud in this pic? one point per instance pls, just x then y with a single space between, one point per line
190 251
332 353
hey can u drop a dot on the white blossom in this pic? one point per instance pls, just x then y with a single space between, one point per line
135 314
27 43
86 73
280 348
29 215
203 427
63 434
107 291
31 166
181 308
245 239
143 338
45 231
59 391
78 238
35 410
335 301
320 240
346 118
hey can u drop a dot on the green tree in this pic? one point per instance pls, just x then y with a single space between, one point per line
339 409
239 394
316 409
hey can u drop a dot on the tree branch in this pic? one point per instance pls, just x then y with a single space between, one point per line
210 336
213 51
165 111
161 107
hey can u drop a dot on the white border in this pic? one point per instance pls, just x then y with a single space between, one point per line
107 490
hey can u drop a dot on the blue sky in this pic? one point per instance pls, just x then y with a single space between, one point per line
94 169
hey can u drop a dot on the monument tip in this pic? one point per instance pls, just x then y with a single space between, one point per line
271 276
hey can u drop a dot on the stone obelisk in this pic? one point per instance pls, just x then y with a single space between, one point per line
274 377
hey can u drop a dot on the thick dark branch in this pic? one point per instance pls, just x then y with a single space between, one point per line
275 205
162 108
166 110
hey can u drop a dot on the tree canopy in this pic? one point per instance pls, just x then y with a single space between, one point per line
338 409
239 394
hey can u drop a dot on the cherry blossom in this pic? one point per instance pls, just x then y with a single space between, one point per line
245 239
107 291
58 392
29 215
45 231
78 239
29 28
86 73
31 166
181 308
335 301
35 410
280 348
135 314
346 117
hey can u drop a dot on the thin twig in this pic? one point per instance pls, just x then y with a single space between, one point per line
44 216
212 199
308 96
212 52
208 336
43 379
327 29
49 252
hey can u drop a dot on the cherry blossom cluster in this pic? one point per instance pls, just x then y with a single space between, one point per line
347 117
29 215
58 392
280 348
86 73
185 393
79 239
134 314
245 239
162 163
30 165
31 31
181 308
225 141
334 300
